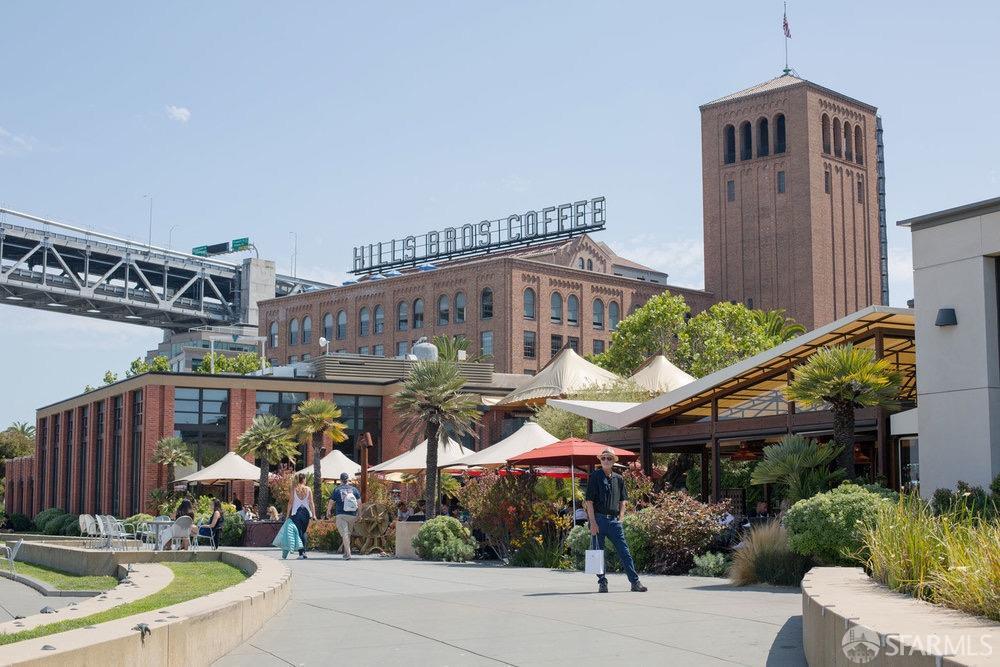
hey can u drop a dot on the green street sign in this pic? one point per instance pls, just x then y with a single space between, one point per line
200 251
240 244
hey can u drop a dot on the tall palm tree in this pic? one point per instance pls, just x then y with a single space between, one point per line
431 403
777 325
843 378
171 451
268 441
798 464
449 347
316 418
24 428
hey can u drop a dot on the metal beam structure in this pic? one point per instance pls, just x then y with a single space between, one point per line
48 265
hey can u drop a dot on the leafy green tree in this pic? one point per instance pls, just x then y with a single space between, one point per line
799 465
15 442
171 451
268 441
24 428
844 377
779 326
317 417
160 364
720 336
431 401
653 329
242 364
563 424
110 377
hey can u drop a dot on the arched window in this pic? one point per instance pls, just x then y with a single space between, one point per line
580 263
590 265
614 315
837 138
486 304
848 142
293 332
444 306
418 314
573 309
273 335
460 308
402 316
763 138
746 140
859 145
529 304
379 319
826 134
779 134
598 314
729 144
364 321
556 307
328 326
342 325
307 329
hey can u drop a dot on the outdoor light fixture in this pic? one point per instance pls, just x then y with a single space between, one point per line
14 298
323 342
93 310
53 304
132 317
946 318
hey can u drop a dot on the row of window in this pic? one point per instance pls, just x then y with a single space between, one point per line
779 182
747 143
572 309
859 190
555 344
843 139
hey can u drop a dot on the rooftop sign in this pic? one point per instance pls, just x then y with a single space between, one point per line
514 231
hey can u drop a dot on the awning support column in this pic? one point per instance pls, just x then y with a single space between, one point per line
705 462
716 455
645 449
881 425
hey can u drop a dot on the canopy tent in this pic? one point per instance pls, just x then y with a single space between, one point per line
231 467
528 437
566 373
568 452
334 463
659 376
415 460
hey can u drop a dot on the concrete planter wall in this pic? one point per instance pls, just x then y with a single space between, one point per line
849 619
405 532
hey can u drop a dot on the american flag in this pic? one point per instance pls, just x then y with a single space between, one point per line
784 24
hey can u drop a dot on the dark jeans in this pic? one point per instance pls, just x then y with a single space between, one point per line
301 521
611 528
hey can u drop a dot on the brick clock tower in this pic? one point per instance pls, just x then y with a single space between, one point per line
793 192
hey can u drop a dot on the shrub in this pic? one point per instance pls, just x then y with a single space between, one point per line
678 527
444 538
827 526
323 536
20 522
233 528
501 508
973 499
636 538
70 525
132 523
43 517
53 523
995 489
765 557
3 519
710 564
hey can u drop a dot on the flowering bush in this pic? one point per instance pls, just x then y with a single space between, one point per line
828 526
444 538
635 537
501 510
679 527
279 486
323 536
233 528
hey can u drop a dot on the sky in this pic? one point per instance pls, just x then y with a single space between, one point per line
346 123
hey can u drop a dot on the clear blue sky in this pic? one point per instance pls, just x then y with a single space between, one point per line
350 122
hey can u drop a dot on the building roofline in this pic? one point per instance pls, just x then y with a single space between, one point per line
947 215
802 82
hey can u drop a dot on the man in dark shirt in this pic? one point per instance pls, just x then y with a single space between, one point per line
606 498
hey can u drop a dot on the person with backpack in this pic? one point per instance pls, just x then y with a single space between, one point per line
345 500
605 501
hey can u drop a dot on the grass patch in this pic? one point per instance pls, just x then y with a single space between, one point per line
64 581
191 580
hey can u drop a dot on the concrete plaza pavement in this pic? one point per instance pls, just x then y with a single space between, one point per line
17 599
381 611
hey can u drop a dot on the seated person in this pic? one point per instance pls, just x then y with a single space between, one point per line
184 509
213 528
272 513
402 511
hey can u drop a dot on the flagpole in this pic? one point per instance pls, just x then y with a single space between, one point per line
784 29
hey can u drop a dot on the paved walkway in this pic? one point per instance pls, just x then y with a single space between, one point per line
17 599
371 611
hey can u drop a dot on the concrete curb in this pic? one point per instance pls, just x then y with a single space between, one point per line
196 632
839 601
44 588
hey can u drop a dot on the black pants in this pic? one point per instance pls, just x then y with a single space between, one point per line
301 521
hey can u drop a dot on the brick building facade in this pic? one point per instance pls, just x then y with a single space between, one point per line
791 204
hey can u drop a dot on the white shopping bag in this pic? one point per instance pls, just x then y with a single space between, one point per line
594 558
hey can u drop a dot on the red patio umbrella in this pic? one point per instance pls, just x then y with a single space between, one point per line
565 452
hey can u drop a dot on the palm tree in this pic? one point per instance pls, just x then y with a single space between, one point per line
24 428
798 464
449 347
171 451
268 441
316 418
431 403
777 325
843 378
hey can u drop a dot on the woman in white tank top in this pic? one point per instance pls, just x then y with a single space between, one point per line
301 508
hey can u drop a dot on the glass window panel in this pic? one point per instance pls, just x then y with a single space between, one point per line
215 394
213 407
370 401
185 406
186 418
267 397
293 397
185 393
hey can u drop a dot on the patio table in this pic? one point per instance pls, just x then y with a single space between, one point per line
158 526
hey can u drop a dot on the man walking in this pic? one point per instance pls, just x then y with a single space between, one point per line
605 500
344 500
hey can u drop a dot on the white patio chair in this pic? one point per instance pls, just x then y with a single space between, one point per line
198 537
10 553
180 530
88 529
115 530
103 538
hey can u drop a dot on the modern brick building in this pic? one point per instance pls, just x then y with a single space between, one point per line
94 451
519 307
792 198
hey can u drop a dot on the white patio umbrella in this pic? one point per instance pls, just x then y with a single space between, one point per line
231 467
334 463
415 460
529 436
